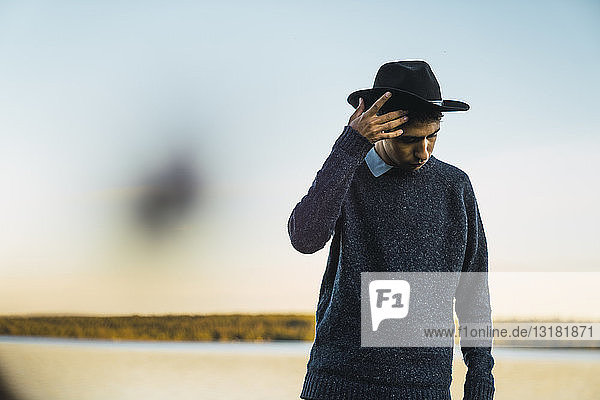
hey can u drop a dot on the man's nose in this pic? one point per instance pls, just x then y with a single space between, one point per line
421 151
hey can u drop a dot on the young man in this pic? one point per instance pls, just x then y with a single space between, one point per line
390 206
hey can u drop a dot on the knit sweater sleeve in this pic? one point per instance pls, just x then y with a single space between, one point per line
473 304
312 221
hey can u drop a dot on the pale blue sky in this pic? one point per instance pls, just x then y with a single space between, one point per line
95 94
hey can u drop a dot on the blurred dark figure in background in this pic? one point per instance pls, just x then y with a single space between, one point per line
168 195
5 393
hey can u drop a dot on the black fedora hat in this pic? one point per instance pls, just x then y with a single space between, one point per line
413 86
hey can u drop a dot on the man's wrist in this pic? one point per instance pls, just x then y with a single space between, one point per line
353 143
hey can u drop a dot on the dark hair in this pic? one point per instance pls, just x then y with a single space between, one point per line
419 115
424 116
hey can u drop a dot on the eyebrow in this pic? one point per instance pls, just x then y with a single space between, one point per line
419 137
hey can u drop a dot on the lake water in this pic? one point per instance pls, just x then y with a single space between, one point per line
65 369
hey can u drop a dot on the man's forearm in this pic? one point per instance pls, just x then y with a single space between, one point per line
312 221
479 383
473 305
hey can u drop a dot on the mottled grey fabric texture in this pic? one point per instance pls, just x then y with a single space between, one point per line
425 220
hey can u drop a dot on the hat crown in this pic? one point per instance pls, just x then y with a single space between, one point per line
411 76
413 86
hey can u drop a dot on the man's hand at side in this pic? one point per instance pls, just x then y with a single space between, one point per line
373 126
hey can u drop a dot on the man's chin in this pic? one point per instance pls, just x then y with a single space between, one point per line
413 167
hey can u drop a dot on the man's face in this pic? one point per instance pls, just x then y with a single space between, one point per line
411 150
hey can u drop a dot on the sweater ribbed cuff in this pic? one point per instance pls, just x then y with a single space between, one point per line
353 143
479 390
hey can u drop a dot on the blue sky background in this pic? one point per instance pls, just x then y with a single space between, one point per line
97 96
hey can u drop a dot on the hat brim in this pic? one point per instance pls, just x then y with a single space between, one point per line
402 100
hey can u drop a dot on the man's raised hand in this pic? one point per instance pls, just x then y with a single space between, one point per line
373 126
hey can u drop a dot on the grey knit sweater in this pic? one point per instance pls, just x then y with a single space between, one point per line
426 220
